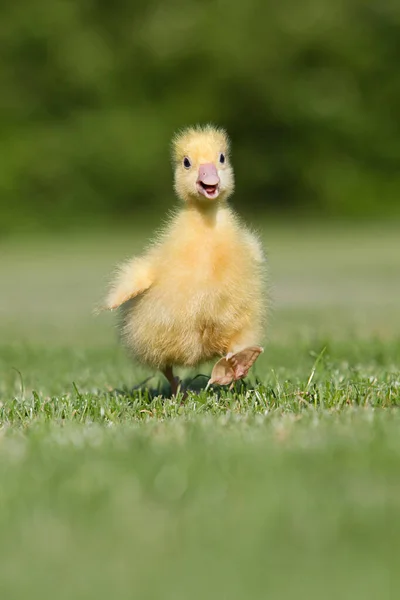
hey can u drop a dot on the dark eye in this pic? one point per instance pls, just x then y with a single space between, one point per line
222 158
186 163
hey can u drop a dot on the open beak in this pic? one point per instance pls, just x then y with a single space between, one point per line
208 181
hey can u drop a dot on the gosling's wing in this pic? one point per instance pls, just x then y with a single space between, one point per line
255 247
132 279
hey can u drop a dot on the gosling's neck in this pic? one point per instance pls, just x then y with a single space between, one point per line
207 212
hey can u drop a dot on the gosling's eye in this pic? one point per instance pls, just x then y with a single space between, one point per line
222 158
186 163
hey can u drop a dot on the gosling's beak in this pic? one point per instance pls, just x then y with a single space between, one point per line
208 180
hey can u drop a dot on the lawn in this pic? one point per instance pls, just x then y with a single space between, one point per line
287 487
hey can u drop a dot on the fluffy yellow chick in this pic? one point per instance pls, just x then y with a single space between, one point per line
197 292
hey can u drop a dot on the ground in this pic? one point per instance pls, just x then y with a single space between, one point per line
287 487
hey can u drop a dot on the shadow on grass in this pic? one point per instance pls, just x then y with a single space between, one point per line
198 384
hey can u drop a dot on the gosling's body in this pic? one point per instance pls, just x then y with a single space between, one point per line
197 293
206 297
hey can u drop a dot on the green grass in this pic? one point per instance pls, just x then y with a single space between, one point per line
287 487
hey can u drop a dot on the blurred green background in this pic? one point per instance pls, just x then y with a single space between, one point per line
290 489
91 93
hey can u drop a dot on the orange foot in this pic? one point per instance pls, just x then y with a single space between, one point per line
232 367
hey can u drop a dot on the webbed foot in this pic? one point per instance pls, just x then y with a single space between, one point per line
235 366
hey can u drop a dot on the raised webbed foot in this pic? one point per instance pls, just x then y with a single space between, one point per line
235 366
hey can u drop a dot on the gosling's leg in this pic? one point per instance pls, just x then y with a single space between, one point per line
173 381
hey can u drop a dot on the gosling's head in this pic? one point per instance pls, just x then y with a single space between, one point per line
203 172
